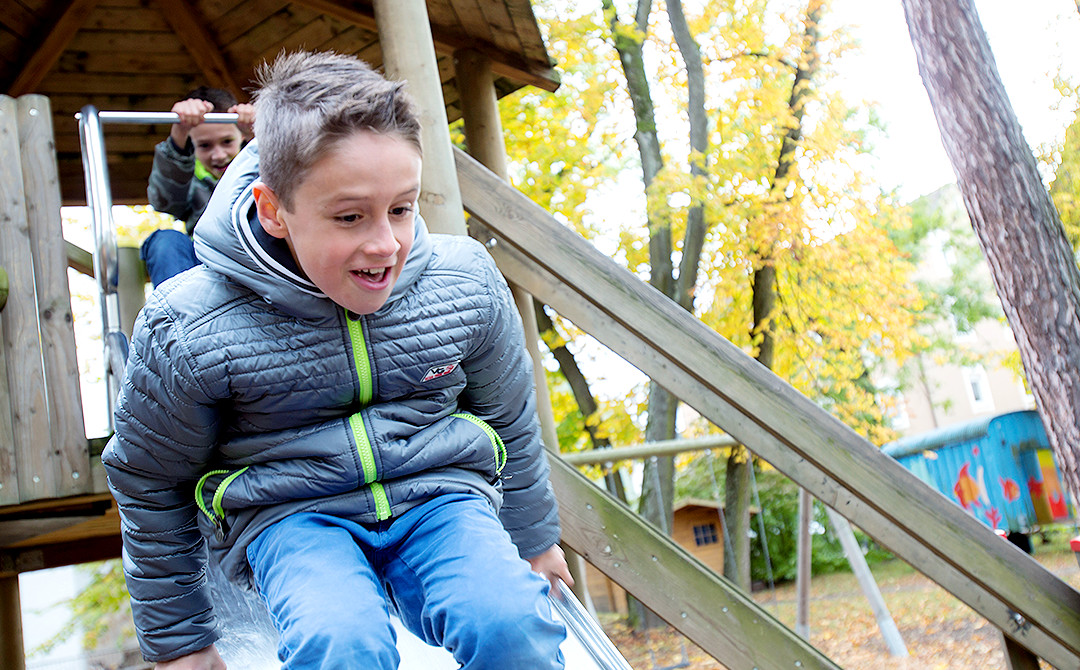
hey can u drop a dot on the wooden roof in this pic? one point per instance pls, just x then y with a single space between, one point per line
143 55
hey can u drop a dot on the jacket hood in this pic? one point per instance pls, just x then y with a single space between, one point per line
230 240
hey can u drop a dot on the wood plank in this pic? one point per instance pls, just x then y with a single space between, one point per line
20 20
472 20
500 25
133 19
191 29
215 9
777 423
26 379
244 17
106 41
700 603
250 46
68 453
116 84
9 483
174 63
527 31
97 548
310 37
48 51
356 41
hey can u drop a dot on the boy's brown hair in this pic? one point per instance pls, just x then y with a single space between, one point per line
308 101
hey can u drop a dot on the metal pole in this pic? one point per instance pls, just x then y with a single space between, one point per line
106 255
648 449
106 263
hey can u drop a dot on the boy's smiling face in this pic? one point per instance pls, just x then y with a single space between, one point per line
350 227
216 144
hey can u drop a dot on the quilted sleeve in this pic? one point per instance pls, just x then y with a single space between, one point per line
170 179
166 425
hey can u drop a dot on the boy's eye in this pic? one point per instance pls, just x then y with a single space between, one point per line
349 218
401 211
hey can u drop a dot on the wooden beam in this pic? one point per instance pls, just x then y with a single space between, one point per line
503 63
190 28
48 51
670 581
776 422
98 548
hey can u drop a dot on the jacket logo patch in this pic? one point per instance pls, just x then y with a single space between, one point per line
439 371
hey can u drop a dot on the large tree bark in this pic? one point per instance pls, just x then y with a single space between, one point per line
1018 227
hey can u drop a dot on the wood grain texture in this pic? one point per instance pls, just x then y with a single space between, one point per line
26 378
68 453
776 422
704 606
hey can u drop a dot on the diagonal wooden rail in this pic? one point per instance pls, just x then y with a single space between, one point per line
1029 604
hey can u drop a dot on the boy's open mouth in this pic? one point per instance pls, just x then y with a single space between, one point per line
371 275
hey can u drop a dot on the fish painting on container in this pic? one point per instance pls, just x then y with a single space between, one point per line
998 468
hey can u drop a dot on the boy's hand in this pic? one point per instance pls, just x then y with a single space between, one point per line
246 122
552 564
192 112
204 659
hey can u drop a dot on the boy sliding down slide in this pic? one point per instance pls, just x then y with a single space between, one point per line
338 404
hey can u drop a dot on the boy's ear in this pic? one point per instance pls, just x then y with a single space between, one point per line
268 208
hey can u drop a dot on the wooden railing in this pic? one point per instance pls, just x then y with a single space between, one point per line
1030 605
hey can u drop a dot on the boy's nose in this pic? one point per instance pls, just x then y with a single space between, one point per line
381 242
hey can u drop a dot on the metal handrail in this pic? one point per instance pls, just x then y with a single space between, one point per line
99 200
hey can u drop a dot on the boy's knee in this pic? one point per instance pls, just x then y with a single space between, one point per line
339 643
513 638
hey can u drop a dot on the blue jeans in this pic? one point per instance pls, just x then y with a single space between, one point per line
167 253
448 567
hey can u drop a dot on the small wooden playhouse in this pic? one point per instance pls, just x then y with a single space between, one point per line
458 56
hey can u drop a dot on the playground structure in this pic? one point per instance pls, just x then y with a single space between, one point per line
56 511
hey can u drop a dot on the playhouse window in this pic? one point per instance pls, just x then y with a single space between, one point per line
705 534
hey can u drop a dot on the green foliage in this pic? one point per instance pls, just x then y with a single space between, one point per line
702 476
102 610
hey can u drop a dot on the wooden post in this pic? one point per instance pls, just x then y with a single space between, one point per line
132 288
70 463
12 654
409 54
26 378
1017 657
857 561
803 554
484 135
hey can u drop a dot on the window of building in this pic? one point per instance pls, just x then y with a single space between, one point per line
978 387
705 534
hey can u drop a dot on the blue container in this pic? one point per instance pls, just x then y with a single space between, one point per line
999 468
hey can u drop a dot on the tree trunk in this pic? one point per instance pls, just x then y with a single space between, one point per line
763 280
579 387
1019 230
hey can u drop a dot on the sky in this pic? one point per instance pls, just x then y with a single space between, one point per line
1030 41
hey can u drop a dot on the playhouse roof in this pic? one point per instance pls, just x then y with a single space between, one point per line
143 55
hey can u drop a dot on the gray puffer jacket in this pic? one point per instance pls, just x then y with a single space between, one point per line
249 396
176 187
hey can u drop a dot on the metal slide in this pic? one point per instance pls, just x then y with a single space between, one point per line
249 641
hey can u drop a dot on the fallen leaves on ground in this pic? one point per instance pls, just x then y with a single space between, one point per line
939 631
